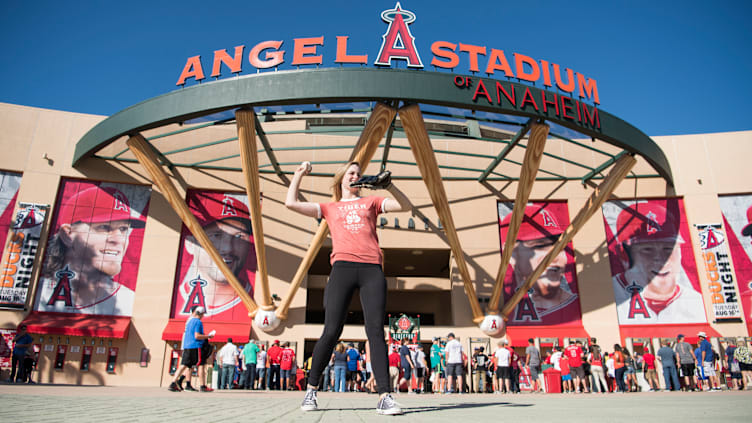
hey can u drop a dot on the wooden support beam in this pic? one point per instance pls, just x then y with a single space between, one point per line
420 144
363 152
530 165
145 155
601 193
246 122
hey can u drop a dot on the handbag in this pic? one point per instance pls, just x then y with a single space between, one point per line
734 367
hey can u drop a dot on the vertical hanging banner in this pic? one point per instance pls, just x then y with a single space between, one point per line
91 261
20 254
199 282
721 282
653 270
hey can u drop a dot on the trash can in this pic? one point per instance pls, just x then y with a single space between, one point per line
552 379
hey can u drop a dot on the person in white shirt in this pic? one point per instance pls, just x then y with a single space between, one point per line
555 357
503 361
610 366
453 352
261 373
228 361
419 358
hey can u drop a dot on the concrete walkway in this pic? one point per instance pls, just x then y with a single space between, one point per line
61 403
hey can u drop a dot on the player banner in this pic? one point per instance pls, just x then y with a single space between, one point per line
199 282
94 248
653 270
554 297
9 184
20 255
737 219
721 282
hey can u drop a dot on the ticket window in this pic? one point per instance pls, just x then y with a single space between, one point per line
36 348
60 354
86 358
112 359
174 359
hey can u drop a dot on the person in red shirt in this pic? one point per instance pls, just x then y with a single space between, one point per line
648 368
574 353
619 368
394 368
274 356
356 261
514 359
286 360
566 376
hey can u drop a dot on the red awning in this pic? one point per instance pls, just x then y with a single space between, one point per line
689 331
93 325
518 335
240 332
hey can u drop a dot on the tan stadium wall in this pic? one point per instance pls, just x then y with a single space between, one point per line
40 143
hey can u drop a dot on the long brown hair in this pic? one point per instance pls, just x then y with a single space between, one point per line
337 182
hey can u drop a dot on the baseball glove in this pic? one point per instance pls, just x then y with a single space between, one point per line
381 181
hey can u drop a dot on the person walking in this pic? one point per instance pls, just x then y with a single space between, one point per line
356 264
533 363
406 361
193 340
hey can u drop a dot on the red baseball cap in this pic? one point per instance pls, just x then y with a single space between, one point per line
747 231
211 207
99 204
647 222
538 223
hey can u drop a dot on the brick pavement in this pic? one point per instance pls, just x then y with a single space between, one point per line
61 403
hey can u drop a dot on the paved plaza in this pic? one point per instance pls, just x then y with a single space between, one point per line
61 403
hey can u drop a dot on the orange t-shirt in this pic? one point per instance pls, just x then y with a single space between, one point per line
618 360
352 224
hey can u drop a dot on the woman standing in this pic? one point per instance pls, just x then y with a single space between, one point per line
340 367
619 368
596 369
356 264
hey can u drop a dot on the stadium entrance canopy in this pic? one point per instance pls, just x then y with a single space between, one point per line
498 129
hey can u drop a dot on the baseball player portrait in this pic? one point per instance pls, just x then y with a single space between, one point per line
737 218
226 221
654 284
553 298
84 264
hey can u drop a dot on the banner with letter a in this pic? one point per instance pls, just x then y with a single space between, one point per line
20 254
724 295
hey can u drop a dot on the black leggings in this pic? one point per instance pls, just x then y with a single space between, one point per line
345 277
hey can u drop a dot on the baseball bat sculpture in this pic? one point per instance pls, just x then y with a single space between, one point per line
145 155
420 144
595 201
492 325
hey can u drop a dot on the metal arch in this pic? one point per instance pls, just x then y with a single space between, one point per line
349 85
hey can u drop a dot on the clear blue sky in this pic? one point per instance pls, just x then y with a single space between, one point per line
667 68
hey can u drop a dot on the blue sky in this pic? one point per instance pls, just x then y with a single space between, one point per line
663 68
